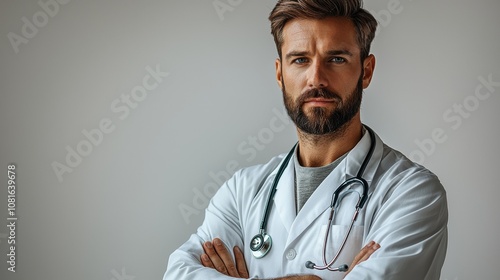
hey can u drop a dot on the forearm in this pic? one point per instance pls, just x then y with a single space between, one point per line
185 264
221 220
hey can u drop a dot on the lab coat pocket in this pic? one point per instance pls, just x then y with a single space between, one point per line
334 242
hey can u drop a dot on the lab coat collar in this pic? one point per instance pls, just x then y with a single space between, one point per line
357 155
320 200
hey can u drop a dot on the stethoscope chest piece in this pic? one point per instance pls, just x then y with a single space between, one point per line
260 245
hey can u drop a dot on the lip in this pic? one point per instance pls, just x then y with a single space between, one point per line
319 101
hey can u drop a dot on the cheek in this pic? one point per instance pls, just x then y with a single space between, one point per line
346 82
294 82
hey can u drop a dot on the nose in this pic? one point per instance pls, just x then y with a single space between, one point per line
317 77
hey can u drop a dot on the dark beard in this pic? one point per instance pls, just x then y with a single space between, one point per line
322 121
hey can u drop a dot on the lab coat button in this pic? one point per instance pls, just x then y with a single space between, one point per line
291 254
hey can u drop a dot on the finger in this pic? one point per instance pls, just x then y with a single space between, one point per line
241 265
375 246
361 253
217 262
364 254
226 257
369 250
206 262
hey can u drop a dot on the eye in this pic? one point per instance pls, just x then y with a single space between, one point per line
300 60
338 60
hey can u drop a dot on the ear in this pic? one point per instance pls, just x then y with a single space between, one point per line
279 76
368 67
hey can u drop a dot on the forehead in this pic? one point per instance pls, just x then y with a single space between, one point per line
322 34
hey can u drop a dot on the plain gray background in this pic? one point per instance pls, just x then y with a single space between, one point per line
117 214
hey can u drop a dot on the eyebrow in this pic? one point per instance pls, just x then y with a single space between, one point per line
305 53
295 54
340 52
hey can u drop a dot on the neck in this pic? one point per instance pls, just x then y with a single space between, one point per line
321 150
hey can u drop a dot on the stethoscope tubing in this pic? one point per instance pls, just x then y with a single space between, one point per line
269 202
259 253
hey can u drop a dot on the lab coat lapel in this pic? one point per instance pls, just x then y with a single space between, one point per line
284 200
358 154
317 204
320 200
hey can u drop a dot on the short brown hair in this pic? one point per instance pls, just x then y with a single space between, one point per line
286 10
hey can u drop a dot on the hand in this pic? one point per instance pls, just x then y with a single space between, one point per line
364 254
218 257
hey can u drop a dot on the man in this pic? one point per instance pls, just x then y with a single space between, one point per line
401 232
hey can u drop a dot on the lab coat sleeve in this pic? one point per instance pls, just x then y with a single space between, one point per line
221 220
410 223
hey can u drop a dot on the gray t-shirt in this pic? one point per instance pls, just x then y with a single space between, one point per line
307 179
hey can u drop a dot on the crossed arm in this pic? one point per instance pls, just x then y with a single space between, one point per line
409 221
216 256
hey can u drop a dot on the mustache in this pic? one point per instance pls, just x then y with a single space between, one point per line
318 93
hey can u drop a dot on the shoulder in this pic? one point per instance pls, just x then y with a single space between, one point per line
405 191
257 174
396 172
250 183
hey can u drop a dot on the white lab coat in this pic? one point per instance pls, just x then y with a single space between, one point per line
406 214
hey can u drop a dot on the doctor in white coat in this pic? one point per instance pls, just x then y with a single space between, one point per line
323 66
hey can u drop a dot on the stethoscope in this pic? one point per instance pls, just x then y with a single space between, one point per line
262 242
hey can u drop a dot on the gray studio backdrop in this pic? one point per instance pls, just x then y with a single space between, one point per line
122 118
